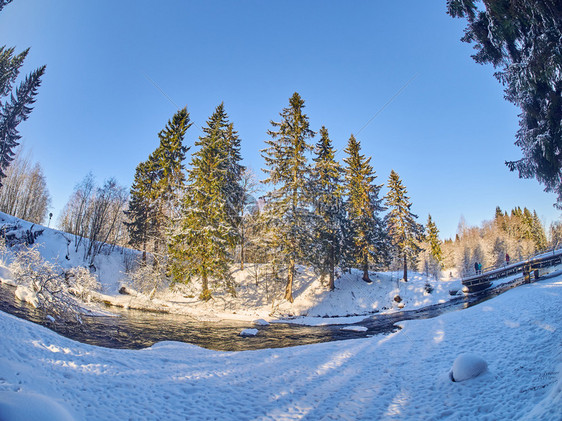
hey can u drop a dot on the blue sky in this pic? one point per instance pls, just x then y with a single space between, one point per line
447 134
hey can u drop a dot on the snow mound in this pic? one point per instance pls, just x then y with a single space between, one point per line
467 366
249 332
261 322
27 295
31 406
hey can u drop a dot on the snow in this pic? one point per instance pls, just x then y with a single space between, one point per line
403 375
467 366
249 332
355 328
352 300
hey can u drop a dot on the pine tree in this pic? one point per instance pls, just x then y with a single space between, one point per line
403 229
366 238
327 193
18 107
286 212
522 40
200 247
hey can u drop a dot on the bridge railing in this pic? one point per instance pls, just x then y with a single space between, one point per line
532 262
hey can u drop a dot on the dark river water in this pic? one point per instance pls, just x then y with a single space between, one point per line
135 329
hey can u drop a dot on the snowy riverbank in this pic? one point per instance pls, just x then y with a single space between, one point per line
398 376
258 296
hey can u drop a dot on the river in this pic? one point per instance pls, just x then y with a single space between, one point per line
134 329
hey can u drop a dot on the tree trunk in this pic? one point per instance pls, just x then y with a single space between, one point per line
205 293
405 269
331 284
290 278
242 255
366 271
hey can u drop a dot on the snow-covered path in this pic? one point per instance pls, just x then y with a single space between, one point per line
399 376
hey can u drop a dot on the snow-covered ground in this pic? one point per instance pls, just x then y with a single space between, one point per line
400 376
256 298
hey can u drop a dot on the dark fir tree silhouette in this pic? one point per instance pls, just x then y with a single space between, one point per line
522 39
286 212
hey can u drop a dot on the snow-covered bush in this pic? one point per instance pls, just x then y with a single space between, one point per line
81 282
43 283
147 279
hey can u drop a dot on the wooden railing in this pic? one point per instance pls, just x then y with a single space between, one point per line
531 265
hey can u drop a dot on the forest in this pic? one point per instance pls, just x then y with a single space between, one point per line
195 221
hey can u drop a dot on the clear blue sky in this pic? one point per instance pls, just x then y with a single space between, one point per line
447 134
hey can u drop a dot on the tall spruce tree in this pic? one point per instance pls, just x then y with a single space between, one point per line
141 217
287 213
403 229
366 239
327 193
201 245
158 184
15 107
522 40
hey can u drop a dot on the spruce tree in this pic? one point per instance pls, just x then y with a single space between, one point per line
434 241
201 246
366 240
286 212
141 218
329 211
538 233
158 184
17 107
521 39
403 229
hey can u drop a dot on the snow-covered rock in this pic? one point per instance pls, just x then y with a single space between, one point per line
249 332
467 366
27 295
261 322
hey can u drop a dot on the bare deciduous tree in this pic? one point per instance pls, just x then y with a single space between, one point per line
24 192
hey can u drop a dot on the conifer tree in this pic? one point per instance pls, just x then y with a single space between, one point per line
538 233
169 160
158 183
234 189
403 229
286 213
141 217
366 239
329 211
17 107
201 245
433 239
521 39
